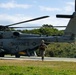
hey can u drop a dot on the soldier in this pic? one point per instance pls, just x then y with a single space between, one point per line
42 48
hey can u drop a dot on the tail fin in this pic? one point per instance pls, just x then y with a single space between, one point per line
71 27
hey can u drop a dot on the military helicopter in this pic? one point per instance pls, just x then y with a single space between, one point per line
17 43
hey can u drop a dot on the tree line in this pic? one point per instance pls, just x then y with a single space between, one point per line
44 30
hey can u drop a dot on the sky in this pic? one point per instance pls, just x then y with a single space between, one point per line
12 11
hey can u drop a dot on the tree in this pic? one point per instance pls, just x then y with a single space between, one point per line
44 30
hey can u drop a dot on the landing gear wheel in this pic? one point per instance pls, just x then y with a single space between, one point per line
17 56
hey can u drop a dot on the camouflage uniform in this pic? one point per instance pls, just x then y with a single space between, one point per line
42 49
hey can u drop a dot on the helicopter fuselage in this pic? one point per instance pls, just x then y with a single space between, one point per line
13 42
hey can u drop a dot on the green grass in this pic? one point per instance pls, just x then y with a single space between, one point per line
22 67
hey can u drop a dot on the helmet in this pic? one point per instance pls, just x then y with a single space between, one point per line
42 41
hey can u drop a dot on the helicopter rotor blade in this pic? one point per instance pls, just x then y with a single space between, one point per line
28 20
27 27
39 27
59 26
64 16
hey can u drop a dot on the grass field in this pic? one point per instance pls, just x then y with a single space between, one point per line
23 67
